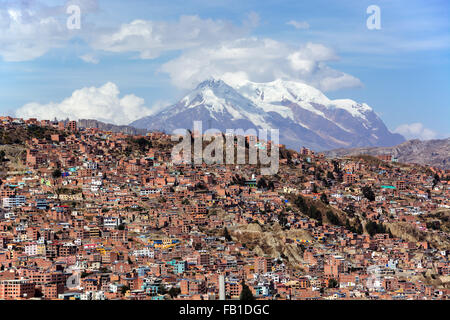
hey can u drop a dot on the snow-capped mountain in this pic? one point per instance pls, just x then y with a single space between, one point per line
303 114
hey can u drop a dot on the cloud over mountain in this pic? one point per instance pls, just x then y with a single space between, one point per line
203 48
416 131
103 103
259 60
218 48
153 38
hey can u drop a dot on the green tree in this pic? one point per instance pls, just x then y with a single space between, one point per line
324 198
227 235
348 226
124 289
330 175
390 234
332 218
262 184
436 180
104 270
246 293
368 193
350 210
162 289
282 219
435 225
56 173
359 227
373 228
332 283
174 292
143 144
301 204
310 210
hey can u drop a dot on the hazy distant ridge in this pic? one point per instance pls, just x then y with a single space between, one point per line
430 152
91 123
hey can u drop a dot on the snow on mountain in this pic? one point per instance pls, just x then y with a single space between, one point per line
303 114
271 94
219 98
354 108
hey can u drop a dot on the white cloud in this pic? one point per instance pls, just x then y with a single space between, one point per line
102 103
217 48
24 35
152 38
253 19
416 131
336 80
89 58
159 105
298 24
208 48
259 60
29 29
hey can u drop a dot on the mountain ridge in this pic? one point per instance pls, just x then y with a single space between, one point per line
423 152
92 123
304 115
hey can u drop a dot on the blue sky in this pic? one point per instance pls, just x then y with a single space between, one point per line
401 70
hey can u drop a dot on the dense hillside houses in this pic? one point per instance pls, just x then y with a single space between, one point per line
93 215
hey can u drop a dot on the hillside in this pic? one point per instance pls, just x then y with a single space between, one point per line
431 152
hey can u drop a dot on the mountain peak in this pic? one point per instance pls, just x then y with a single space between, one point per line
304 115
211 83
